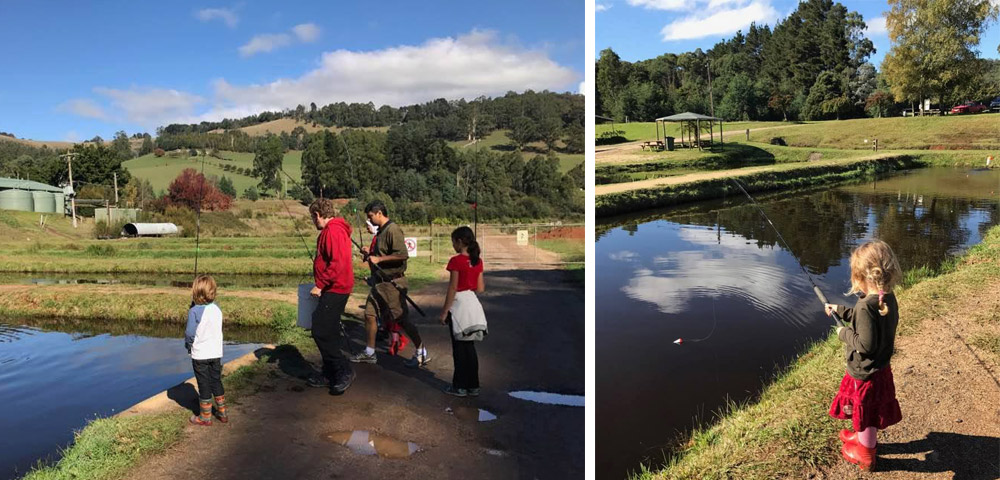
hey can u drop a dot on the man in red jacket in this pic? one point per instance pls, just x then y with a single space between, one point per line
334 275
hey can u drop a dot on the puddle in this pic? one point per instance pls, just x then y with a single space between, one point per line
549 398
470 414
363 442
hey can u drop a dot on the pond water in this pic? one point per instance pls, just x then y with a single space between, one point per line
53 382
714 272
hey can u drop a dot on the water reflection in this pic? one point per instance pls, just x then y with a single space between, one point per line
57 381
680 273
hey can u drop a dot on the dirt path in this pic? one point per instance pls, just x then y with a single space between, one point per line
281 431
949 394
694 177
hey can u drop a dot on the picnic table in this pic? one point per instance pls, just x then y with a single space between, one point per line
652 144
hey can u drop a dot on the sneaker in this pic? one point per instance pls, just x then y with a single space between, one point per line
318 381
418 360
343 384
363 357
458 392
473 392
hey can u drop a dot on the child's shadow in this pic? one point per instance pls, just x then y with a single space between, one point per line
967 456
185 395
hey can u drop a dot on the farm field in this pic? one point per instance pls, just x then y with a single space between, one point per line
498 140
289 124
160 171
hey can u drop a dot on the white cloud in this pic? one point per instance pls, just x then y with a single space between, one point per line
228 16
268 42
465 66
151 107
83 107
600 7
721 22
265 43
662 4
876 26
71 136
307 32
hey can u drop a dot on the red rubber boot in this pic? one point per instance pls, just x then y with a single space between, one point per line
859 455
848 436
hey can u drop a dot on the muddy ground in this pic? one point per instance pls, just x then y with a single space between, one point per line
536 342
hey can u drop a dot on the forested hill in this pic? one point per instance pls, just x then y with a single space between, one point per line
812 65
529 117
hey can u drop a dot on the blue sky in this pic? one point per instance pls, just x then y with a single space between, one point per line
641 29
73 70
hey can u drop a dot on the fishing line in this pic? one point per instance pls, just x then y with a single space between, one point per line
715 323
816 290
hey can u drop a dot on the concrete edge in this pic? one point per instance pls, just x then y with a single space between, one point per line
161 401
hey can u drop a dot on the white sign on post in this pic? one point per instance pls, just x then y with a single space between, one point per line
522 238
411 246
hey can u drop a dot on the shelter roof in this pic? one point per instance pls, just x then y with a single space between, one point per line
686 116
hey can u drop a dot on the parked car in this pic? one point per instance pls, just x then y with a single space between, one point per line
995 104
968 107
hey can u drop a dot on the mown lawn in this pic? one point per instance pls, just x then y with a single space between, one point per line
980 131
647 130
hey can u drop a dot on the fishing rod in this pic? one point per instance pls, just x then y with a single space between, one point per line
816 290
197 222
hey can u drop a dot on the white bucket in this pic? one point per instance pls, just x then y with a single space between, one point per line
307 305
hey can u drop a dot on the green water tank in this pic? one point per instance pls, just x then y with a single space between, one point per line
45 202
60 203
14 199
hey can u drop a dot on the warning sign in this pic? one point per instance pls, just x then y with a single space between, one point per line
411 246
522 238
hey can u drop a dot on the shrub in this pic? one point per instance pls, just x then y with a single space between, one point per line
100 250
103 230
251 194
159 152
778 141
191 187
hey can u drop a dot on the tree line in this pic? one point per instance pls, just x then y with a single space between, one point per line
812 65
530 116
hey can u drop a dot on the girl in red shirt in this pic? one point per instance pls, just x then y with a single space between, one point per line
463 313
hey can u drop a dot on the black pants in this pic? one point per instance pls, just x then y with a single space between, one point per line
328 334
208 373
466 362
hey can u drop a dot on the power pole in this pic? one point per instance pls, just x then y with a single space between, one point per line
116 189
72 198
711 101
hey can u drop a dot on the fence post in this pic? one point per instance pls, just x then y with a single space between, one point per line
432 241
748 134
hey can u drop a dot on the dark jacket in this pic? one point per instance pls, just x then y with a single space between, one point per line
332 268
869 338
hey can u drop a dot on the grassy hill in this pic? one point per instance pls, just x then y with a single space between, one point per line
498 140
981 131
160 171
289 124
39 143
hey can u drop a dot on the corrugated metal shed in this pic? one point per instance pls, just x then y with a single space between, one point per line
21 184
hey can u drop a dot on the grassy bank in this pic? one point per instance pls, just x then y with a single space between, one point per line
777 179
786 432
981 131
569 250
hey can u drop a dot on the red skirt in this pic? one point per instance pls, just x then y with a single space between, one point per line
873 401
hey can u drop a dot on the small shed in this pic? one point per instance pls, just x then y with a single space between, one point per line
692 127
149 229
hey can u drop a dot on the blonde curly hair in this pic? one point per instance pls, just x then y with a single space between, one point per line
873 264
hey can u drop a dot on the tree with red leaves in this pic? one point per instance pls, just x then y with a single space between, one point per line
190 185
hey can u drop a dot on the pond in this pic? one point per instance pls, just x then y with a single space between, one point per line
57 377
714 274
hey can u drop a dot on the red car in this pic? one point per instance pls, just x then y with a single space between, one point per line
968 107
